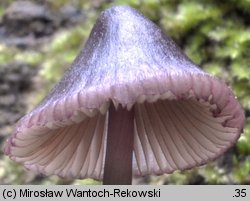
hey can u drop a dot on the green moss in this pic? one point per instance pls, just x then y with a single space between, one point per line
1 11
30 57
243 144
87 182
242 172
6 54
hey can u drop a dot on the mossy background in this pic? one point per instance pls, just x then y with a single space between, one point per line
214 34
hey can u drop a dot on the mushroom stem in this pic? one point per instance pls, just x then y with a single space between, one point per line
119 151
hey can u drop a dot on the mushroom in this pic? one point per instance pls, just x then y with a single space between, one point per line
130 104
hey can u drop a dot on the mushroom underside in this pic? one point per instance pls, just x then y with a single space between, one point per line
169 135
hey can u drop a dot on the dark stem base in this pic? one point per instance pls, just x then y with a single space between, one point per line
119 151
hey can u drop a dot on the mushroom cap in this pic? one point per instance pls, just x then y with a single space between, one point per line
184 117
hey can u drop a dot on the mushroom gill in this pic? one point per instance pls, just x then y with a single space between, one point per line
180 116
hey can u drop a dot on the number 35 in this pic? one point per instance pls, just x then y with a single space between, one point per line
240 192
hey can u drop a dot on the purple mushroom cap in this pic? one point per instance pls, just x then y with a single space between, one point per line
183 117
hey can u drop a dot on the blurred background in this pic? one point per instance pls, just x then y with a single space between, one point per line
39 40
